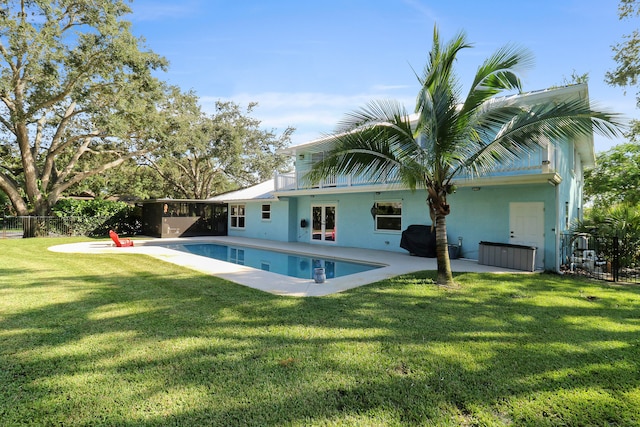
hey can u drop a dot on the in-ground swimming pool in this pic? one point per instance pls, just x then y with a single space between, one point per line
286 263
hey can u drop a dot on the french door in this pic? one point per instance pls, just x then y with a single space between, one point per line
323 223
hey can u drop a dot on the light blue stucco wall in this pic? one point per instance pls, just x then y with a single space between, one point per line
292 218
484 215
570 191
355 226
476 216
277 228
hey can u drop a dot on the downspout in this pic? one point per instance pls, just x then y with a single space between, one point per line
557 245
547 167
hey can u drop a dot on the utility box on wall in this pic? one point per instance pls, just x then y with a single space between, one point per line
517 257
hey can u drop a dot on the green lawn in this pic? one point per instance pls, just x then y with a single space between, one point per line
127 340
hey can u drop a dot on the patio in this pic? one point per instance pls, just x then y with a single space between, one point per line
395 263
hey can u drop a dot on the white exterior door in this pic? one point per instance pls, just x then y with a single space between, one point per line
323 227
526 222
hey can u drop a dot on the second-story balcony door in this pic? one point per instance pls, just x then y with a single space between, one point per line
323 223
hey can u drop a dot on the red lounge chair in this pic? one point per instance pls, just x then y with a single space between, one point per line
119 243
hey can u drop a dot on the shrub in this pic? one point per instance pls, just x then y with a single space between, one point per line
622 221
97 217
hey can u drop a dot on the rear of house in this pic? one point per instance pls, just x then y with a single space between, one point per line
529 202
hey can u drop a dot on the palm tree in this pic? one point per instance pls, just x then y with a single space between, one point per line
449 136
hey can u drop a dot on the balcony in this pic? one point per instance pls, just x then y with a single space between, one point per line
293 181
531 165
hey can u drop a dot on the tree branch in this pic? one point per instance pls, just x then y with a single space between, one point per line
37 140
74 159
167 177
12 189
60 187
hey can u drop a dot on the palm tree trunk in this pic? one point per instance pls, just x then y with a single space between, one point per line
445 277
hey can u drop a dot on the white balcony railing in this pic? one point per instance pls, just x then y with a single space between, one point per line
293 181
286 181
535 163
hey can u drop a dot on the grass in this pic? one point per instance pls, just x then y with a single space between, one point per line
127 340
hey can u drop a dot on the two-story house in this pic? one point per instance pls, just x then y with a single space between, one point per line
530 201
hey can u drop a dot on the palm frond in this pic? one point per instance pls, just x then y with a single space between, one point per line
376 112
564 120
440 124
498 73
507 132
439 68
375 142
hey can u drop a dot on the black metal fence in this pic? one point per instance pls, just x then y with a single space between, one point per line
47 226
600 257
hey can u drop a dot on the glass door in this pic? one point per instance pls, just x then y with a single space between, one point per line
323 223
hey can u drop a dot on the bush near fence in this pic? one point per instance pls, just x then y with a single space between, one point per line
90 218
120 216
53 226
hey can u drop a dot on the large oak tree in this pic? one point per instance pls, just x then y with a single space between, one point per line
207 154
77 96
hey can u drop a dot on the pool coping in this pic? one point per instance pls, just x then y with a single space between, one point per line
394 263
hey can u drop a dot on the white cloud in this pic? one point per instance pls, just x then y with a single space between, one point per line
421 8
277 100
313 114
384 88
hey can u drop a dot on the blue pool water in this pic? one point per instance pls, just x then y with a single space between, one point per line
288 264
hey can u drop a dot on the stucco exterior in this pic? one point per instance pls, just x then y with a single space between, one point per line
546 186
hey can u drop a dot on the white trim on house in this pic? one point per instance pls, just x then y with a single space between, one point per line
552 178
262 191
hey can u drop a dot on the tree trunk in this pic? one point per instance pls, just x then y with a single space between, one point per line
445 277
31 227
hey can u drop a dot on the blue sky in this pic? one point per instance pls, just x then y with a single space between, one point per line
307 63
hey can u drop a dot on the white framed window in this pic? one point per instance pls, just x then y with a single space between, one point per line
388 216
266 212
237 216
317 157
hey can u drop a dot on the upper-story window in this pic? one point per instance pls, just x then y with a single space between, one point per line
266 212
316 157
388 216
237 216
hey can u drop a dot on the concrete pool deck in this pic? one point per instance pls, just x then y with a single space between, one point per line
394 263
